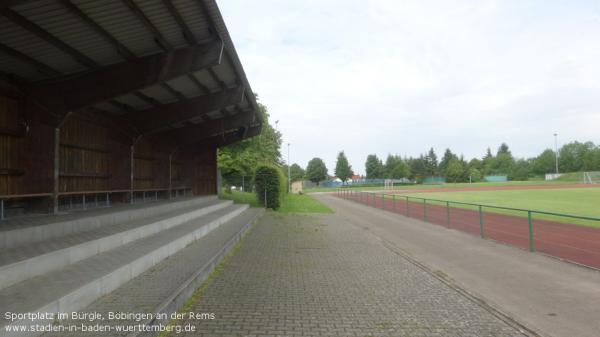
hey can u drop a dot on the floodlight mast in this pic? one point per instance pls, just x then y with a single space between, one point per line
289 176
556 151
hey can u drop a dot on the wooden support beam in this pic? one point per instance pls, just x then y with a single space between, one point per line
13 132
170 174
56 170
91 148
205 90
46 36
77 92
147 99
158 37
120 129
11 172
131 172
173 92
240 76
185 30
193 134
223 139
85 175
216 78
154 119
119 47
41 67
121 106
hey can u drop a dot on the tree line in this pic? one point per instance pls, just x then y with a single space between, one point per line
572 157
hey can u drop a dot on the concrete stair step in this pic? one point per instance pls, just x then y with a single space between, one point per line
27 230
166 286
77 285
21 263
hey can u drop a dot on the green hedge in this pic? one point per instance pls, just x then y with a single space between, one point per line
269 178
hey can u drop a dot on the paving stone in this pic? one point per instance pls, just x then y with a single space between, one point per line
301 275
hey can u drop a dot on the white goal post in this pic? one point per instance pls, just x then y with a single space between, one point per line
388 184
591 177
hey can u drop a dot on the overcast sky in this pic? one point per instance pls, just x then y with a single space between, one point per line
397 76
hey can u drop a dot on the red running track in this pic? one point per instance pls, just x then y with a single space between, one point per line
571 242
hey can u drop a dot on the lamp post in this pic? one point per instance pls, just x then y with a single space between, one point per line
289 176
556 151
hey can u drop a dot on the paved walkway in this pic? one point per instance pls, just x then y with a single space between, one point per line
318 275
553 297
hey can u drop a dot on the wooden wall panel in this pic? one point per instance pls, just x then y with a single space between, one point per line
11 146
90 159
205 172
150 167
84 156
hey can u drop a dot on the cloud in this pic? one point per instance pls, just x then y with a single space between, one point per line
399 77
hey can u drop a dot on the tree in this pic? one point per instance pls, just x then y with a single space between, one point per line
487 161
591 159
448 155
242 158
396 168
474 175
374 167
544 163
343 170
270 185
571 156
503 149
455 170
431 163
503 162
417 168
296 172
521 170
316 171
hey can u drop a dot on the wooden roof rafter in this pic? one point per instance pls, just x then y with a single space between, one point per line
154 119
96 86
46 36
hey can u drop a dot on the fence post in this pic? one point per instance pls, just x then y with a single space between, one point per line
394 203
424 209
407 208
84 202
107 200
530 221
382 201
448 213
481 229
1 209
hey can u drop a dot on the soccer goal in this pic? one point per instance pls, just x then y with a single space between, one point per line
591 177
388 184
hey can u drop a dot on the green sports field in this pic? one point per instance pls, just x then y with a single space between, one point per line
574 201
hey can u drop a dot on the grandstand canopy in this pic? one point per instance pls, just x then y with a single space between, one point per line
165 70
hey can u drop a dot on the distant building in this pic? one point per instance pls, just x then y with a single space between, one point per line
356 178
296 187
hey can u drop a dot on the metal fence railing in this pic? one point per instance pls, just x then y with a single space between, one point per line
570 237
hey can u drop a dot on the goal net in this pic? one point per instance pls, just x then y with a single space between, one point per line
388 184
591 177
